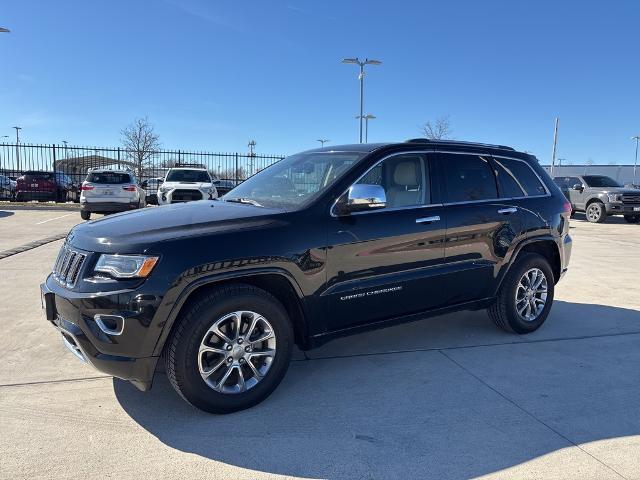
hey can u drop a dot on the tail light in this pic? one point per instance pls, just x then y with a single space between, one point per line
567 206
87 187
129 188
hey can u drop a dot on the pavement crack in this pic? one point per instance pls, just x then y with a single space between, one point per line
528 413
46 382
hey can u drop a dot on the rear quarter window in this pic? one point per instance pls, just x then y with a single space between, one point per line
108 177
518 179
469 178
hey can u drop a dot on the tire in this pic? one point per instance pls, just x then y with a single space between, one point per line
632 218
85 215
504 312
596 213
193 326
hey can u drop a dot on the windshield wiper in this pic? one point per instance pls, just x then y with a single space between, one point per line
247 201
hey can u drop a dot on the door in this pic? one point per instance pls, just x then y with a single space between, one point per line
577 197
385 263
480 226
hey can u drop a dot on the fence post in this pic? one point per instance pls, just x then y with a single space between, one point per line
53 168
118 156
235 173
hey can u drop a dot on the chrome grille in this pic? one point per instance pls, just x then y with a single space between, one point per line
631 198
67 266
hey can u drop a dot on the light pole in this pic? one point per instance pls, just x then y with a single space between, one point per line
4 30
323 141
18 147
252 145
635 164
366 118
361 64
555 146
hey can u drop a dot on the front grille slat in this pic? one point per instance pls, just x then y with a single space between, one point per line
631 198
67 268
184 195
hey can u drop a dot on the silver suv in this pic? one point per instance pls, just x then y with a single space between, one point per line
107 190
184 184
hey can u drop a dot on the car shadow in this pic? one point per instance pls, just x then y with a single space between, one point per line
5 213
446 409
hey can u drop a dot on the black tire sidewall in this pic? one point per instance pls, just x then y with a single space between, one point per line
528 262
200 319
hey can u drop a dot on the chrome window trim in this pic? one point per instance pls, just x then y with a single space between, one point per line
488 200
393 209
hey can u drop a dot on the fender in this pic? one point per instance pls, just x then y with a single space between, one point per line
516 252
216 278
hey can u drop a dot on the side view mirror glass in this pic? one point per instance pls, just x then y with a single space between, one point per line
578 187
363 197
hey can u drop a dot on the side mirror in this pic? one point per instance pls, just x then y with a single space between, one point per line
577 187
363 197
144 184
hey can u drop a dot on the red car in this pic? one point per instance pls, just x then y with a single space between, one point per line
43 186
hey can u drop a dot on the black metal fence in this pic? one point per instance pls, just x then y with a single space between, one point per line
74 161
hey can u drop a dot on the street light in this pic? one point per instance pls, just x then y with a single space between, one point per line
361 64
635 164
4 30
367 117
323 141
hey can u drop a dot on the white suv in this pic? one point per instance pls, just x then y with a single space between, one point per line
108 190
183 184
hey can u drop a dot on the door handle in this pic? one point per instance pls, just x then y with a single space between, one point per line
505 211
435 218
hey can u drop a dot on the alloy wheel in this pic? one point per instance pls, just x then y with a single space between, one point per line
531 294
593 212
236 352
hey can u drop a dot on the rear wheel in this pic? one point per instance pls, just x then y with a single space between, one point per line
525 296
632 218
229 349
85 215
596 213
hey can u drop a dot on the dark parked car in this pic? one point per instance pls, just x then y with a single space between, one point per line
43 186
224 186
325 243
151 188
599 196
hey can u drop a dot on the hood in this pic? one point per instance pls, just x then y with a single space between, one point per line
187 185
620 190
136 231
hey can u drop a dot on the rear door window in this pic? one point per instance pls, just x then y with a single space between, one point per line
517 179
468 178
108 177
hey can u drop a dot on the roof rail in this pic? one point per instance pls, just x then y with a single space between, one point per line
193 165
458 142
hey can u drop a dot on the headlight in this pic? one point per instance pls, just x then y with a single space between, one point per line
126 266
613 197
164 189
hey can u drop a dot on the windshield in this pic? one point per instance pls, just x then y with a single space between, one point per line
188 176
600 181
295 181
108 177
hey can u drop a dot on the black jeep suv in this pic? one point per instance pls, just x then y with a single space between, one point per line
324 243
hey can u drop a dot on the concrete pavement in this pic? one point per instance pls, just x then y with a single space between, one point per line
447 397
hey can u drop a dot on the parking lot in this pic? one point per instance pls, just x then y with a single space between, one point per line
447 397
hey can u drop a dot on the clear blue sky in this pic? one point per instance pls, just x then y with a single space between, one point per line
212 74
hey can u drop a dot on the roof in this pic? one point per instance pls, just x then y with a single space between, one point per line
188 168
107 169
436 144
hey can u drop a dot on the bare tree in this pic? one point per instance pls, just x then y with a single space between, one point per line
141 143
440 129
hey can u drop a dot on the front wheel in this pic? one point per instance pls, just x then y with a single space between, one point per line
525 296
596 213
229 349
632 218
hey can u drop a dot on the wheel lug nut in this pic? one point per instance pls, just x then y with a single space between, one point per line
240 341
229 347
241 360
247 348
229 359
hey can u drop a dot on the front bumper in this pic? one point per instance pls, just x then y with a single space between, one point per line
74 318
108 207
181 195
623 209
